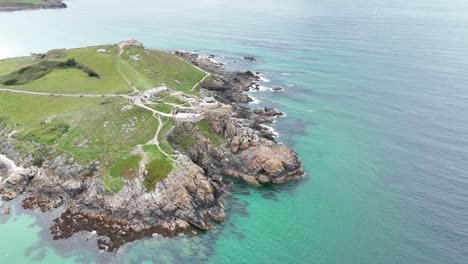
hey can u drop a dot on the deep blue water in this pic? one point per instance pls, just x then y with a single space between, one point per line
376 97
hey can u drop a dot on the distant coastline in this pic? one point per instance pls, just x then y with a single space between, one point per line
21 5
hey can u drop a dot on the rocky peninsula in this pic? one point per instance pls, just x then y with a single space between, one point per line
19 5
200 143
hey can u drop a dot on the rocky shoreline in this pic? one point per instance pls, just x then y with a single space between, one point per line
50 4
187 201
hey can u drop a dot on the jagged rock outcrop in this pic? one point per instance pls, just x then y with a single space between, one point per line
185 201
244 153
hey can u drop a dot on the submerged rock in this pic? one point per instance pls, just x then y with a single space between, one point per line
249 58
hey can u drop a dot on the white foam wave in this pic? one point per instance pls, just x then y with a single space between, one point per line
254 100
261 88
271 129
263 79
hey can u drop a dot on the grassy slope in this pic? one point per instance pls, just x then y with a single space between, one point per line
161 107
107 134
165 146
158 67
158 168
91 129
76 81
10 65
22 2
152 69
29 110
110 134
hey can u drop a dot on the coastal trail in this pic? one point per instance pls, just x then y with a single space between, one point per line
64 95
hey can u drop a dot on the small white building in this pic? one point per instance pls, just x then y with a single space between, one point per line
208 104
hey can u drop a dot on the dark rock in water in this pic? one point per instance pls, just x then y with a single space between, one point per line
268 111
249 58
277 89
7 210
211 56
43 204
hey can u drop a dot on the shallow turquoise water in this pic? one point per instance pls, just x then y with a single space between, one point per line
377 107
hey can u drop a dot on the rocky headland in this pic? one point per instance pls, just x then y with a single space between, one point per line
189 200
10 6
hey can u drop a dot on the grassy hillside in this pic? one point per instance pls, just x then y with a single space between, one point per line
144 68
86 129
103 128
148 69
23 2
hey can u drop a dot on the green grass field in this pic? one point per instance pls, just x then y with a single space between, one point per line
86 129
23 2
98 128
158 168
144 68
161 107
152 68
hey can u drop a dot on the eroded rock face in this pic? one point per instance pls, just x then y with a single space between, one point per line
184 202
244 153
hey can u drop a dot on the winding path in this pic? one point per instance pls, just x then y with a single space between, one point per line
193 65
128 96
64 95
207 74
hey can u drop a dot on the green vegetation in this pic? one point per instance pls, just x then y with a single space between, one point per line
73 79
205 81
28 111
30 73
144 68
158 168
126 168
21 2
47 134
150 68
87 129
11 65
103 129
205 129
161 107
175 100
185 141
163 143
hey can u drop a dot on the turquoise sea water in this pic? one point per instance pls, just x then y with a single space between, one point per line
377 107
